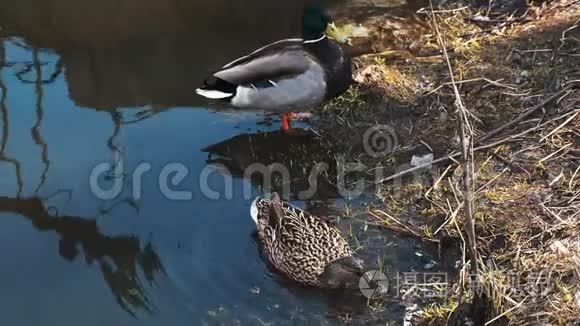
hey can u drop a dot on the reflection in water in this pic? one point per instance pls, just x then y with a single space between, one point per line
5 129
120 258
36 65
116 154
307 160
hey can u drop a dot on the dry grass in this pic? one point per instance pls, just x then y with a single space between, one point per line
526 187
389 81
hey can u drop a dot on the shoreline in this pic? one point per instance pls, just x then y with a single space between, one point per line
515 132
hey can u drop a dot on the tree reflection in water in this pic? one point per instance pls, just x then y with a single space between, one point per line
122 260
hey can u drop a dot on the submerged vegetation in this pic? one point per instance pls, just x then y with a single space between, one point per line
499 110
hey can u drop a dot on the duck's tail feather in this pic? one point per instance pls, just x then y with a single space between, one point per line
212 94
254 210
217 88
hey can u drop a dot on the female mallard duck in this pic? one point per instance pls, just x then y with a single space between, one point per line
303 247
287 75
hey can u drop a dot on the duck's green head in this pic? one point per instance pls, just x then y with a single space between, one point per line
314 21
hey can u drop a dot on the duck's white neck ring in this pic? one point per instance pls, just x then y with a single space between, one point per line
315 40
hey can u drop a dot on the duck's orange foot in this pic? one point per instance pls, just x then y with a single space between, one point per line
286 119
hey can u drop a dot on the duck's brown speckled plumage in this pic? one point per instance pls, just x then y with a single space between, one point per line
297 244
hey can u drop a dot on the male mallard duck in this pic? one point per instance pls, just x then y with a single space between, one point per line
303 247
287 75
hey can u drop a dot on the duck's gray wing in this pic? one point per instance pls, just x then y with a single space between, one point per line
267 49
271 63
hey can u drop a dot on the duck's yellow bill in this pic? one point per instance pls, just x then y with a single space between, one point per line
345 33
336 33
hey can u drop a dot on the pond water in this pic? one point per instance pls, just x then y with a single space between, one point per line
92 84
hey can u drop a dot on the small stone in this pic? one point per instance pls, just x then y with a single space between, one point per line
422 160
480 18
255 290
525 73
429 265
559 248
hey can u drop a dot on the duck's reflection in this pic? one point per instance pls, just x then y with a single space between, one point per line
304 162
120 258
